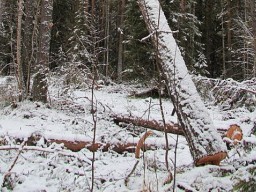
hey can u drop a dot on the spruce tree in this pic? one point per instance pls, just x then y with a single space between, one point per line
182 18
139 53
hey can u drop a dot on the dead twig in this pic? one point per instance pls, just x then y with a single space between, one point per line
63 152
8 173
140 144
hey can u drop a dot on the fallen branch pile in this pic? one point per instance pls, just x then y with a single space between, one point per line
228 93
77 142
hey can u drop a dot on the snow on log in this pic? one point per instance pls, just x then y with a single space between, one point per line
233 135
205 143
169 127
77 142
157 125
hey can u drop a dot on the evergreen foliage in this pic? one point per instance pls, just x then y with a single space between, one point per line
64 13
186 26
8 36
217 38
246 179
243 47
139 53
79 39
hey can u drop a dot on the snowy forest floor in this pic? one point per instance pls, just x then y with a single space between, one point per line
48 166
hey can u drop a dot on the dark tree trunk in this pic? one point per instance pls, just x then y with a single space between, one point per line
121 38
18 52
27 44
40 87
39 91
1 11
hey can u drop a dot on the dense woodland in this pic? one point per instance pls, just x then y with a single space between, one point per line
217 38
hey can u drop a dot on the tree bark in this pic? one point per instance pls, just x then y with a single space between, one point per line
151 124
77 144
120 43
18 53
229 39
40 89
205 143
106 41
1 11
156 125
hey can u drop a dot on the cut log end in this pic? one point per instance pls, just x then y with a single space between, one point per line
234 133
211 159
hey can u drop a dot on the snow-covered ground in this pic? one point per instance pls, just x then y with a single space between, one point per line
52 167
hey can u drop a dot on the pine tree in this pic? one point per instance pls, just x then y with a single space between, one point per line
182 18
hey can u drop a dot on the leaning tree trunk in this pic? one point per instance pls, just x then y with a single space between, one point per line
205 143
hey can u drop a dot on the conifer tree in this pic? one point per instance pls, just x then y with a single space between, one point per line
139 55
182 18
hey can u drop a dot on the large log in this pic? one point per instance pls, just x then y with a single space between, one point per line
151 124
205 143
78 142
157 125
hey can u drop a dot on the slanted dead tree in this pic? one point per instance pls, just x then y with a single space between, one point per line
205 143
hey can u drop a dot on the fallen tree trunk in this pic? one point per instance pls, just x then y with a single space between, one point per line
78 142
117 147
205 143
151 124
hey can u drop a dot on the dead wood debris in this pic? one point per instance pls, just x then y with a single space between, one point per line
141 143
154 92
77 145
151 124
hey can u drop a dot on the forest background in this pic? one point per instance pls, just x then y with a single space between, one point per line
108 37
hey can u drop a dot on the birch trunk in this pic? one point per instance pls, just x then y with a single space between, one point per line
205 143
